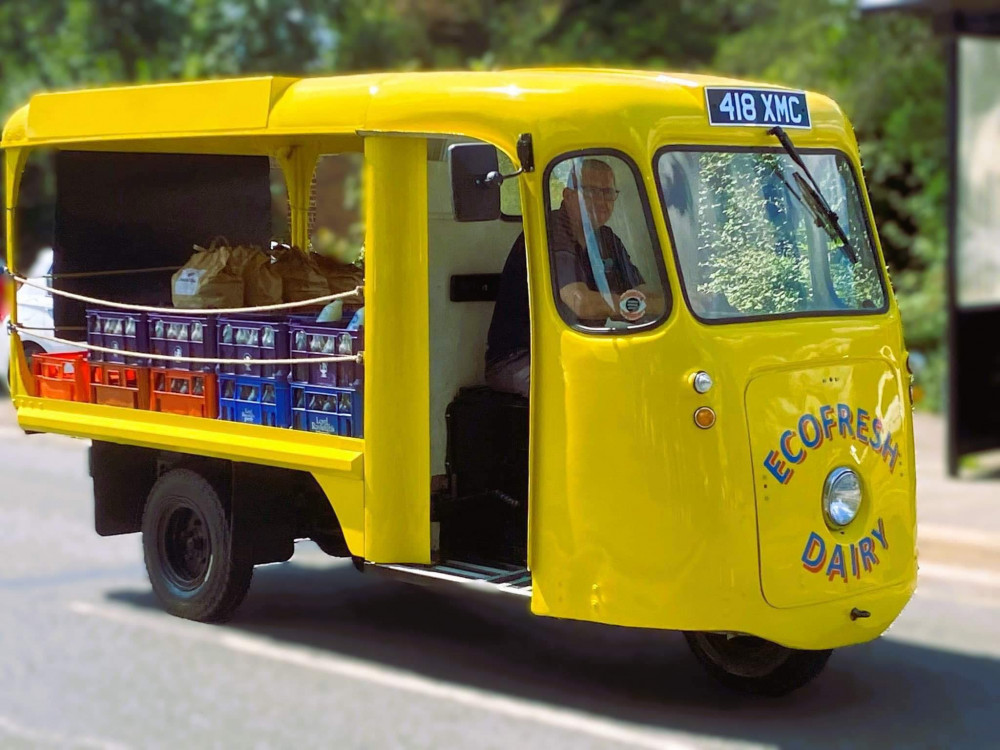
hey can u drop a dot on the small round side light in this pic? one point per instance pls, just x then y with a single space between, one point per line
702 382
704 417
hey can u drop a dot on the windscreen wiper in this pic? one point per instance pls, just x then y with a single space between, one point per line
825 217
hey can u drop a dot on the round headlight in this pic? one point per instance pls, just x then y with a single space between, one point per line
702 382
841 496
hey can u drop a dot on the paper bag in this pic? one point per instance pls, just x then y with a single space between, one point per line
341 277
261 284
300 276
207 281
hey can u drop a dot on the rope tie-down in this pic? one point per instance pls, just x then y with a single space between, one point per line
11 326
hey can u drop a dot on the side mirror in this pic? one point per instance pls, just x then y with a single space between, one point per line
475 198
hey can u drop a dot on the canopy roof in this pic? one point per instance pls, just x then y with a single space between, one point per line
492 106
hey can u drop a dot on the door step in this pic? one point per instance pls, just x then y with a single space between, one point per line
505 579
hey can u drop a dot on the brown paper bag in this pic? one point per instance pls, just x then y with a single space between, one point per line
207 280
261 284
341 277
300 276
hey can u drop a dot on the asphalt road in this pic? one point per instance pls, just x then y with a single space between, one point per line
320 656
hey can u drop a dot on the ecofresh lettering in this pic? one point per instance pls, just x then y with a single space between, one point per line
840 422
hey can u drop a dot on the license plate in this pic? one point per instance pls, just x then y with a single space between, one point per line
757 107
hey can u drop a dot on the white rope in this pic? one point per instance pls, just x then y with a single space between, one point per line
356 292
358 358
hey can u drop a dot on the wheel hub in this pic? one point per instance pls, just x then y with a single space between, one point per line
185 547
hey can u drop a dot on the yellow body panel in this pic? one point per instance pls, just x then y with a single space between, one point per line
804 423
160 109
397 406
637 517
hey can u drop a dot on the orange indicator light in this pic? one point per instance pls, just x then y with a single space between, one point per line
704 417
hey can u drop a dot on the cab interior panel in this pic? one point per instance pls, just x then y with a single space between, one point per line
478 437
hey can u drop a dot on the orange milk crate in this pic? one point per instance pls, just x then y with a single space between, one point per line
122 385
62 375
193 394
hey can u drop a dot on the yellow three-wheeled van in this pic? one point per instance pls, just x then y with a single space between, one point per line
624 345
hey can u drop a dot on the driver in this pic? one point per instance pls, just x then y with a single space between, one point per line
581 298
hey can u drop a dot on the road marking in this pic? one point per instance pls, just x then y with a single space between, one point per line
51 738
957 573
933 532
397 679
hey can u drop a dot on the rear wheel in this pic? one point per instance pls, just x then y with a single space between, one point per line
197 568
754 665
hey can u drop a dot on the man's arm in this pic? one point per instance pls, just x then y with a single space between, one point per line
656 302
585 302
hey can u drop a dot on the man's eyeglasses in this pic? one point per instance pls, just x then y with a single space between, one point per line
608 194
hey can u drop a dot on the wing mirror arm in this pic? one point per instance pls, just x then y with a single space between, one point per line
525 154
476 177
496 179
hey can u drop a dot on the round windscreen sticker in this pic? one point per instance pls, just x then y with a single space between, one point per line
632 304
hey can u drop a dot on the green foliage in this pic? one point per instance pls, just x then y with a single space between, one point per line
751 263
760 250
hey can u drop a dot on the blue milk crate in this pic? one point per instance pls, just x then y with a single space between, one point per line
254 400
323 408
118 329
179 335
309 339
252 337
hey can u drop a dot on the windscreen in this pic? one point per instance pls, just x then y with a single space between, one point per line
751 238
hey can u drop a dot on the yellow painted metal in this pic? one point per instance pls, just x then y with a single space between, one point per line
805 422
14 160
298 164
559 106
637 516
142 111
347 496
397 364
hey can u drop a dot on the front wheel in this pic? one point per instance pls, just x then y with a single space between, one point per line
197 568
754 665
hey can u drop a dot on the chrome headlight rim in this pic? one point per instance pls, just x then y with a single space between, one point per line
702 382
835 518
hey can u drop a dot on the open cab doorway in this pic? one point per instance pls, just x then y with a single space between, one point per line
479 437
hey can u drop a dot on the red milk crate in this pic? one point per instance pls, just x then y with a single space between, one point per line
190 393
119 385
63 375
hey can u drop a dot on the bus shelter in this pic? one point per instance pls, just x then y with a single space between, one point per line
972 31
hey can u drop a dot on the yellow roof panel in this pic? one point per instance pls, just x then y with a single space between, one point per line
490 105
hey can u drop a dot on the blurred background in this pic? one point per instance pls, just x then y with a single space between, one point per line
888 71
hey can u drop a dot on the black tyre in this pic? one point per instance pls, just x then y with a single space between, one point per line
197 569
754 665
